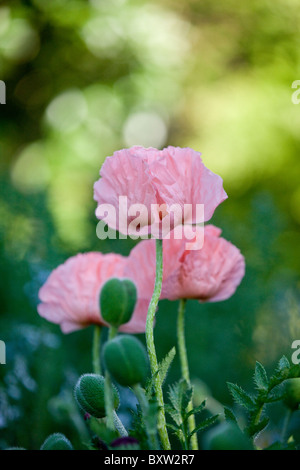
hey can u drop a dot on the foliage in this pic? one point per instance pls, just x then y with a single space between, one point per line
180 395
268 391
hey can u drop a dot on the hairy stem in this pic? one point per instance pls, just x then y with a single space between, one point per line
111 416
161 425
96 350
185 367
119 425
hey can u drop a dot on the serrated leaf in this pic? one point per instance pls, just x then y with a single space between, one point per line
240 396
260 377
276 394
150 385
187 395
165 364
283 363
204 424
138 429
196 410
174 396
255 429
172 427
229 415
180 395
177 431
175 415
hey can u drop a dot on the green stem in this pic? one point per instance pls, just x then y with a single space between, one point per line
119 425
96 350
258 415
185 367
161 425
140 394
112 332
111 421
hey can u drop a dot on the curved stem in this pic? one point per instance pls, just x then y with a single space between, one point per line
161 425
119 425
111 421
185 367
96 350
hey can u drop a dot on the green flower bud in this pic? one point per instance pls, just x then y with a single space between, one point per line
89 393
57 441
117 301
226 436
126 360
292 394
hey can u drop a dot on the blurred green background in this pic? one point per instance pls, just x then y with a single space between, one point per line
86 78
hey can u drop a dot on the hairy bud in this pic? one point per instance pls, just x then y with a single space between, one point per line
57 441
89 393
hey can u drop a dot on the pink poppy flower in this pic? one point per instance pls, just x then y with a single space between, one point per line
145 191
70 296
209 274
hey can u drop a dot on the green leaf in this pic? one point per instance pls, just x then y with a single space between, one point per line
229 415
260 377
149 389
172 427
165 364
177 431
240 396
187 395
196 410
275 394
254 429
175 415
180 395
138 430
283 363
174 396
204 424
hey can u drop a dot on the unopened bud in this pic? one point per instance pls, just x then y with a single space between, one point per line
89 393
292 394
126 360
57 441
117 301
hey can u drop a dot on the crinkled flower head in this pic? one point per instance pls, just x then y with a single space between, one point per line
209 274
145 191
70 296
